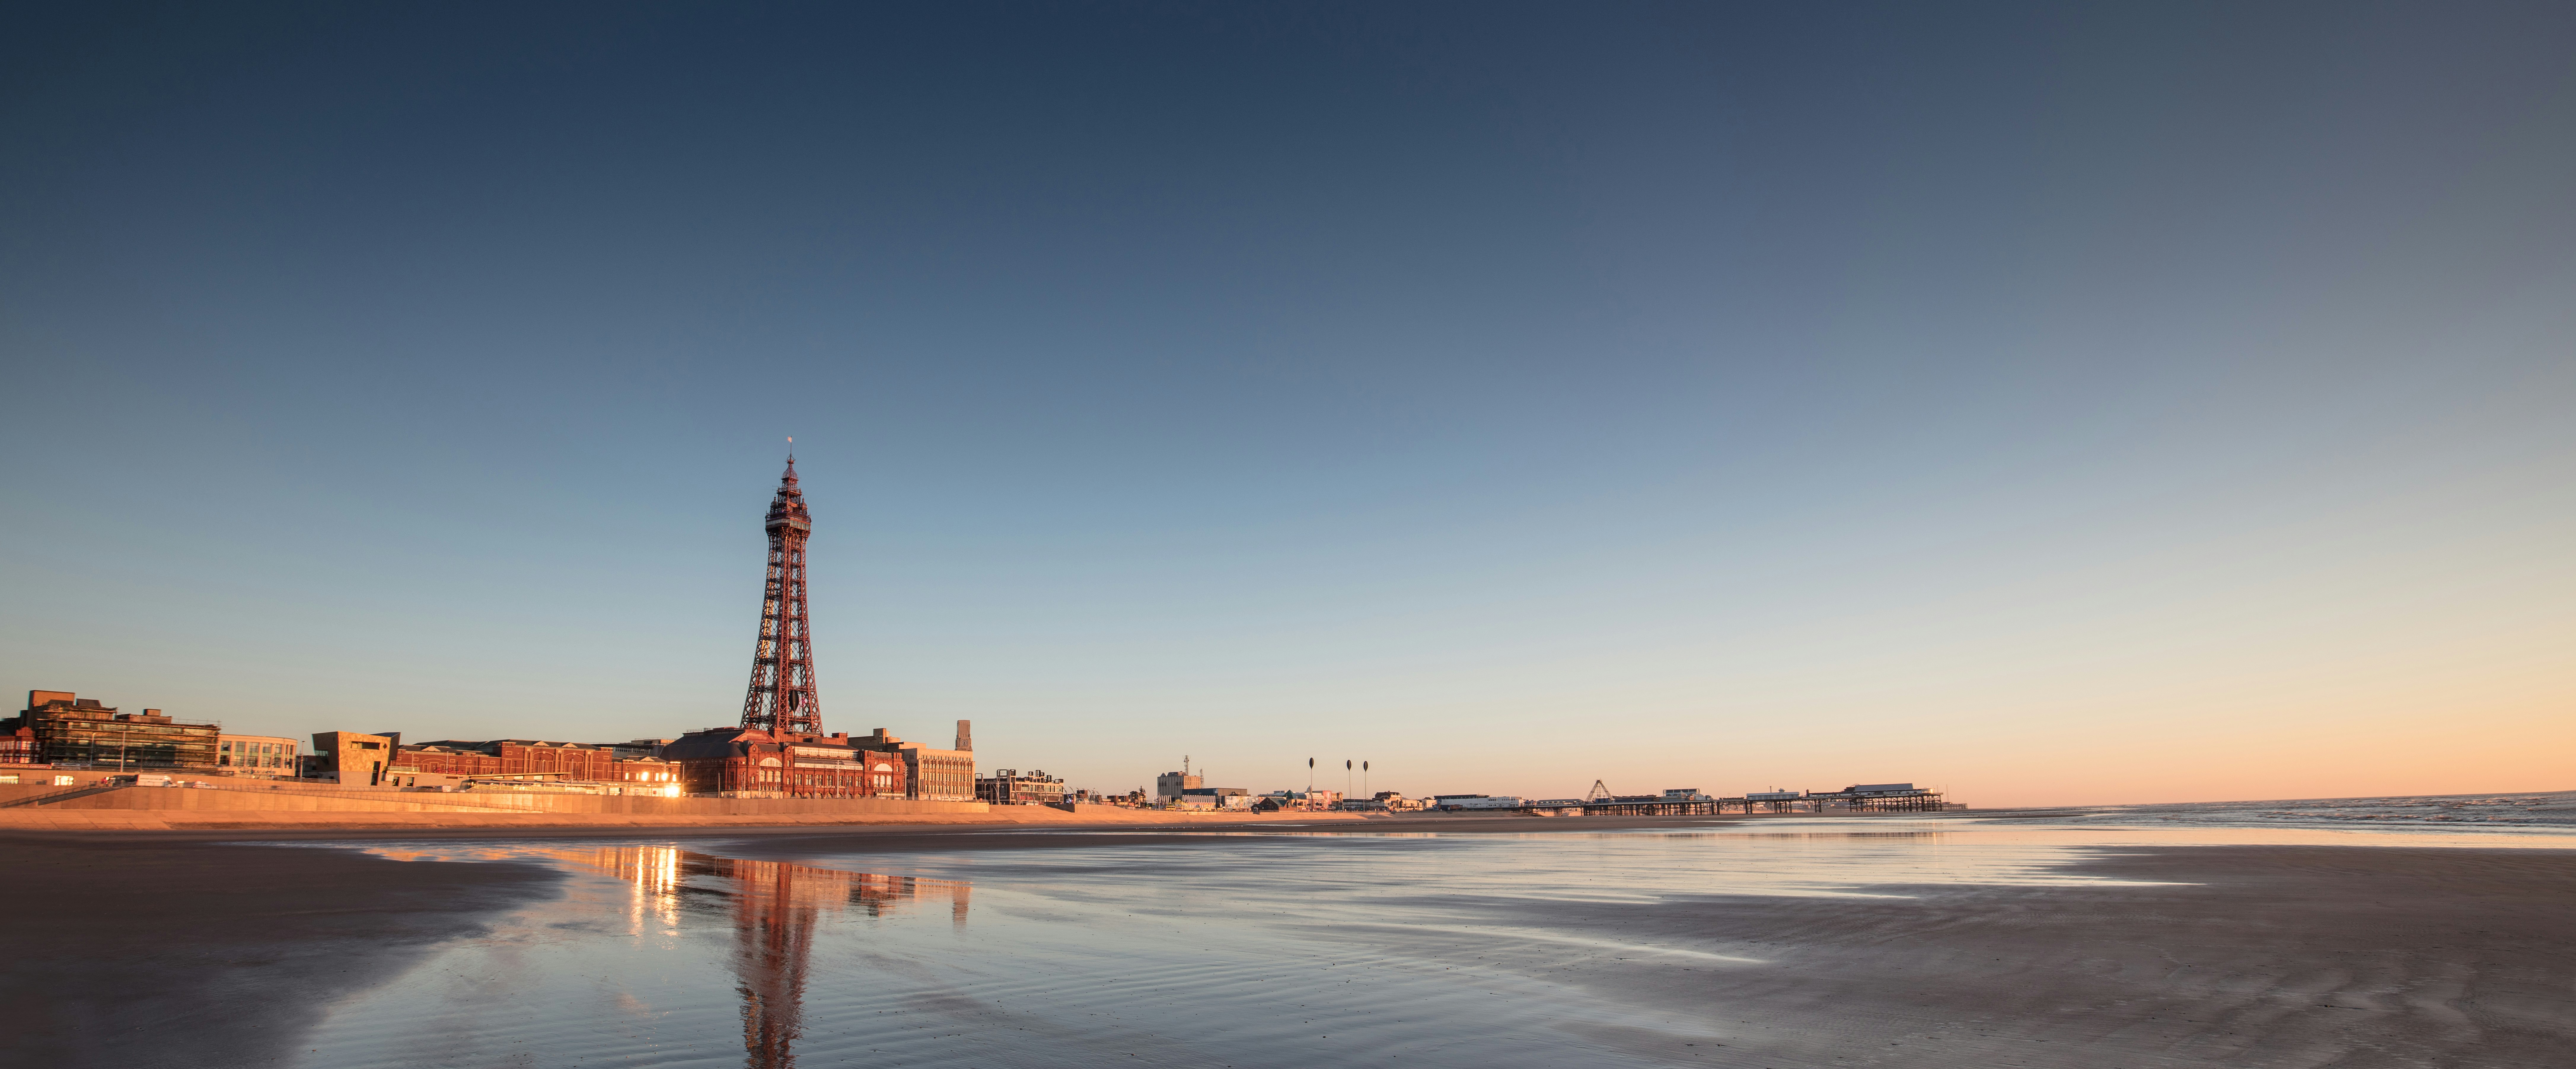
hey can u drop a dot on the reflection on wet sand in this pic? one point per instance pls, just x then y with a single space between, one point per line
775 905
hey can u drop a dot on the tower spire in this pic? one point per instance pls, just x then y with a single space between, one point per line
782 664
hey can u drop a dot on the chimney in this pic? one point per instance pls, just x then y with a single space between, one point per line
966 735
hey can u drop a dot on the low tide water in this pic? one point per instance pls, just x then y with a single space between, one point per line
1282 946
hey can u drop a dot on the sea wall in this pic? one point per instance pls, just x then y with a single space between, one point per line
302 806
326 799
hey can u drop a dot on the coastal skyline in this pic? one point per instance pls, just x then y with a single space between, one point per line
2053 407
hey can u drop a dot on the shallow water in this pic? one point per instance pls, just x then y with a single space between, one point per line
2534 812
1269 948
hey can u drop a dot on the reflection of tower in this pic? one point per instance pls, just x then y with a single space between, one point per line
776 907
774 934
782 665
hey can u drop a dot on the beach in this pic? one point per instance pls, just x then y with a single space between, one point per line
1483 941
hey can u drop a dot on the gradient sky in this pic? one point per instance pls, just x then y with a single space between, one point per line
2056 404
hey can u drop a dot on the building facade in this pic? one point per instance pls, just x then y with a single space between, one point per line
647 775
67 729
528 759
1170 786
735 762
18 746
353 758
256 755
934 775
940 775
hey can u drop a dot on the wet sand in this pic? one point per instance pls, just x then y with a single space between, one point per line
159 952
173 950
2248 956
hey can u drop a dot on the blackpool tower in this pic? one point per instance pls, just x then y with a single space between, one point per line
782 665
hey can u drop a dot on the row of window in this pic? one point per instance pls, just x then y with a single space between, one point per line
244 753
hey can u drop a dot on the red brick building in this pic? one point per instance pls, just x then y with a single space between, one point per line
18 747
645 772
513 758
745 762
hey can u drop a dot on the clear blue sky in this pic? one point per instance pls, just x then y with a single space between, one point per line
2056 403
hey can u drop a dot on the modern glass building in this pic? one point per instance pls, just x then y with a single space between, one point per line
79 731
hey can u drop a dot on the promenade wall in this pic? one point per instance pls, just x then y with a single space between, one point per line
331 799
306 806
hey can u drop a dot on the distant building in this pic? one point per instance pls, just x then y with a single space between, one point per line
1008 786
935 775
1170 786
1216 798
256 755
1299 800
66 729
1475 801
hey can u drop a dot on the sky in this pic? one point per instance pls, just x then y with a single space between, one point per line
2054 404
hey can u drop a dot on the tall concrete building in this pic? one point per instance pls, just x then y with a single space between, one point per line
935 775
354 759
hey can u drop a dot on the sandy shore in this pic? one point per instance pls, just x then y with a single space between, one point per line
173 949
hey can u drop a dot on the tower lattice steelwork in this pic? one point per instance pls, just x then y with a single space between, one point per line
782 666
